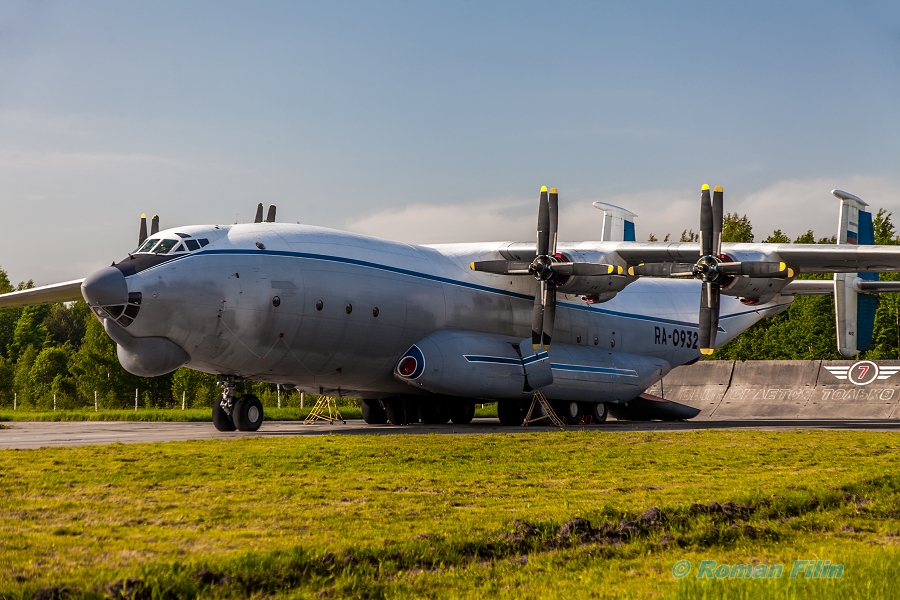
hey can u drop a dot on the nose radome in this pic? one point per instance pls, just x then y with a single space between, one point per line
105 287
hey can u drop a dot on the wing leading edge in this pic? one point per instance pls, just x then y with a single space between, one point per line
68 291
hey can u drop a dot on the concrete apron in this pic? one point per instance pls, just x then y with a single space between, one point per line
786 389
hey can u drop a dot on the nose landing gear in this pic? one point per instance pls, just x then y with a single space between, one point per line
243 414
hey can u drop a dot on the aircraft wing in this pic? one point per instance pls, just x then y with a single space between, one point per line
824 287
67 291
803 258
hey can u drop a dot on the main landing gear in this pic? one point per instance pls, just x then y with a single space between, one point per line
512 412
243 414
408 410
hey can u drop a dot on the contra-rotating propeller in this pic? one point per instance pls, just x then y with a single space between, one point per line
547 268
714 268
270 216
154 228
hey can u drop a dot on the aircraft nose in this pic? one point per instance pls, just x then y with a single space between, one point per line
105 287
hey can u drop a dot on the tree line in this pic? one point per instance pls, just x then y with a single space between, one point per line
62 350
806 330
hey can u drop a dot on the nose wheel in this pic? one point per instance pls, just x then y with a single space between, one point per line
243 414
221 419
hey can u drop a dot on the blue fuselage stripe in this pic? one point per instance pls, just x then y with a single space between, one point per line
447 280
502 360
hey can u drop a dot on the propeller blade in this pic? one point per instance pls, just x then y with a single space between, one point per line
756 269
709 316
270 217
142 235
501 267
553 205
537 315
586 269
661 270
543 224
706 222
549 314
718 206
259 209
154 225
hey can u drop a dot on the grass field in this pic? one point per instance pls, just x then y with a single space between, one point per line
453 516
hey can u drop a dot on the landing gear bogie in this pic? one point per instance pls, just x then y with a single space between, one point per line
373 412
569 411
434 412
511 412
462 413
599 412
395 410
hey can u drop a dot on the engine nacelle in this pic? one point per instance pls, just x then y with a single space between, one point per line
757 291
606 286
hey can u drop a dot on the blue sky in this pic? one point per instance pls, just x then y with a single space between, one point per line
430 122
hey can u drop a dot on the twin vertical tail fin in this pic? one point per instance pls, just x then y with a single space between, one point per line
854 311
618 223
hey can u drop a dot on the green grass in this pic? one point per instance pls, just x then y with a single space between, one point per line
434 516
160 414
189 415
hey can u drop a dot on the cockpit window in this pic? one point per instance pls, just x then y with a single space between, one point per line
180 248
165 246
148 245
192 244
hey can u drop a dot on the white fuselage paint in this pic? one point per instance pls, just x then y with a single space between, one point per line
217 304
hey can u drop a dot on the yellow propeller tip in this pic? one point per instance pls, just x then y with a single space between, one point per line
535 346
718 188
706 351
472 266
553 190
782 266
619 270
143 216
631 271
609 269
790 272
704 187
543 188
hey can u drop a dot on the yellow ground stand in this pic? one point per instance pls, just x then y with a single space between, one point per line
325 410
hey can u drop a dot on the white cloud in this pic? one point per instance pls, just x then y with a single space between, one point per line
499 219
796 205
791 205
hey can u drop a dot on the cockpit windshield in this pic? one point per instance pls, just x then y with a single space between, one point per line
164 246
157 246
148 245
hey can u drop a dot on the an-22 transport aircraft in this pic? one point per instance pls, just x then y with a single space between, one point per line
424 332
